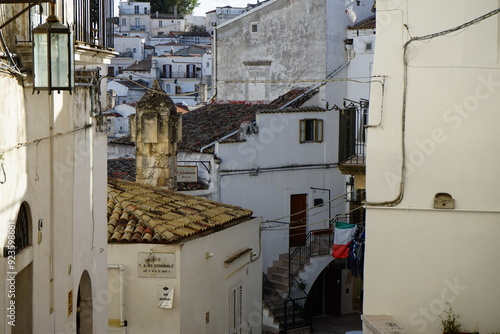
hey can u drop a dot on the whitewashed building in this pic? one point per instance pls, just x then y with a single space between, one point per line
52 183
250 68
194 269
134 19
431 235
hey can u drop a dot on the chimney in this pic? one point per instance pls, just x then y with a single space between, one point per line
158 128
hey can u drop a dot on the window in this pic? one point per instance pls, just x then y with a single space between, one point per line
145 10
134 50
167 88
254 27
311 130
136 9
124 22
235 310
111 71
120 69
160 23
137 22
21 232
368 46
178 89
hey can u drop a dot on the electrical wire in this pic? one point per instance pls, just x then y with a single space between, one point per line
36 141
398 199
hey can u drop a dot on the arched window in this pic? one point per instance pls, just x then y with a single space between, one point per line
22 239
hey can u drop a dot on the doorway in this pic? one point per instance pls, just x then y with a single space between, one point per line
298 220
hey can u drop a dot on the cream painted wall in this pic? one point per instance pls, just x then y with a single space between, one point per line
69 203
201 284
417 257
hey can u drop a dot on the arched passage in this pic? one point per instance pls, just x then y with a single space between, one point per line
84 311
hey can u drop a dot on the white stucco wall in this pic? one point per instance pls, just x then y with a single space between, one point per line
319 25
417 257
201 284
127 45
66 205
283 167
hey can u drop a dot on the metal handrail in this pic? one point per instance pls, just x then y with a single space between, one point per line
267 283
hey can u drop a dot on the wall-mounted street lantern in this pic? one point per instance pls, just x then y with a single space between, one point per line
53 66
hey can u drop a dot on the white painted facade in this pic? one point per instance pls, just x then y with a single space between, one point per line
181 75
135 18
130 47
164 25
202 284
53 160
260 70
419 257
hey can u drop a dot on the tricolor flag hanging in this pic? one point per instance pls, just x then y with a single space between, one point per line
342 239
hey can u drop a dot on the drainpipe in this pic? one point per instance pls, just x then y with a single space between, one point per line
122 302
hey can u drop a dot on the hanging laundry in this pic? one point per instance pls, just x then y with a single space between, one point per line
342 239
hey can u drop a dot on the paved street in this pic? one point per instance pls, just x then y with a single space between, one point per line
337 324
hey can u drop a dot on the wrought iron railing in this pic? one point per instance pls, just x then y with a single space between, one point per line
352 134
93 22
272 298
317 242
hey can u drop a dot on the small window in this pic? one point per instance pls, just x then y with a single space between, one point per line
160 23
124 22
135 50
167 88
136 9
368 47
178 89
111 71
311 130
21 232
254 27
145 10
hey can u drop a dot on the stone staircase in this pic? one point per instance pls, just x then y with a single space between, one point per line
277 293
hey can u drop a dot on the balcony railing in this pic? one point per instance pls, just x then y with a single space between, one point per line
93 22
132 11
352 132
172 75
136 27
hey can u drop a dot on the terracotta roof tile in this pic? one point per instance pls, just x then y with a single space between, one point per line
207 124
140 66
368 24
173 217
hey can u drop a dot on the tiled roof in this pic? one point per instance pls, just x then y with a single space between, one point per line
190 33
144 214
209 123
366 24
124 169
123 140
141 66
292 110
137 84
192 50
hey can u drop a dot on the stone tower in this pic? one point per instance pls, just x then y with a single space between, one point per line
156 129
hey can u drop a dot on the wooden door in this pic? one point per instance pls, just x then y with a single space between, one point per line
298 220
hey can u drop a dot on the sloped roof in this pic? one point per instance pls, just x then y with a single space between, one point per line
124 169
192 50
207 124
367 24
191 33
145 214
140 66
137 84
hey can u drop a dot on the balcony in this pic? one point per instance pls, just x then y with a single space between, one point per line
137 27
175 75
352 139
133 11
94 22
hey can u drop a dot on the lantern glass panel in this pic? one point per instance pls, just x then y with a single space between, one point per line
59 60
40 58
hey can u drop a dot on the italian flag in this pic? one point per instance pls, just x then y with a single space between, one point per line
342 239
